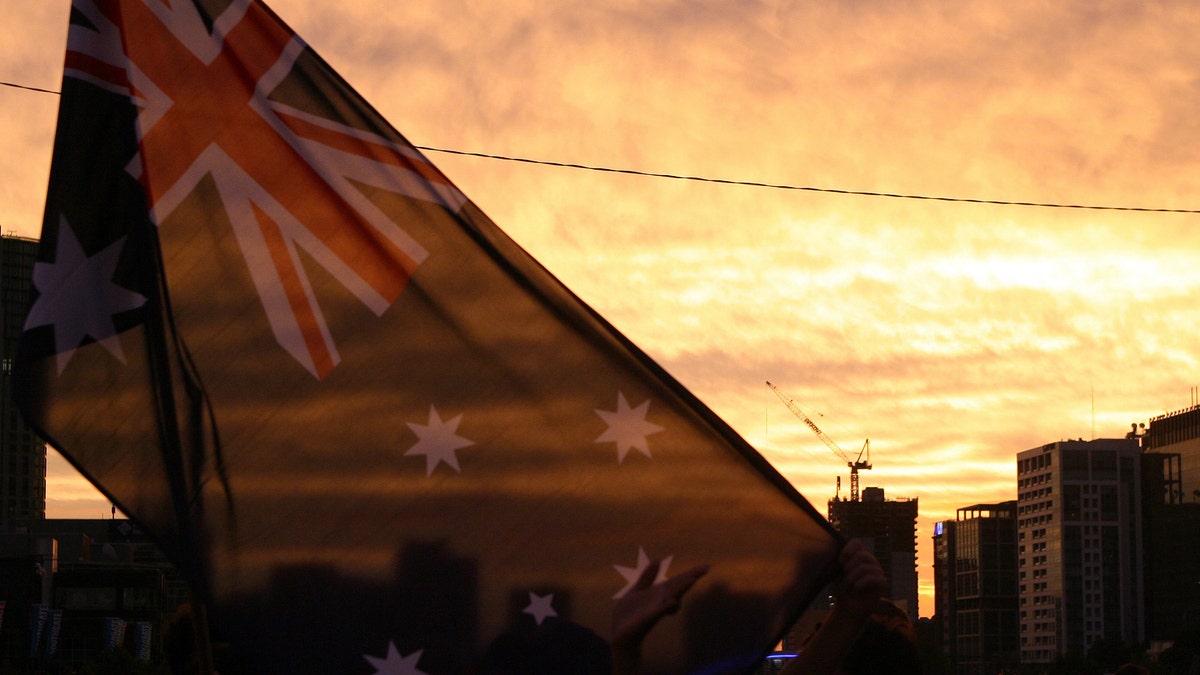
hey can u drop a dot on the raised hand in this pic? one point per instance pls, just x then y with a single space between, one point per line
639 610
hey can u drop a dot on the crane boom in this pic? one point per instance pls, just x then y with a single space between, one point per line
811 425
853 464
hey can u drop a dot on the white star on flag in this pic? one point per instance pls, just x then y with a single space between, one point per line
627 427
77 296
396 663
540 607
631 574
437 441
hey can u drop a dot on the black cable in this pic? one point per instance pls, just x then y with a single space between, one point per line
781 186
27 88
773 186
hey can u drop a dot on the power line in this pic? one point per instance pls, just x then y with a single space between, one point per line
783 186
757 184
28 88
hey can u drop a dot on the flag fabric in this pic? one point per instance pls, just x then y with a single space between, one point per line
376 434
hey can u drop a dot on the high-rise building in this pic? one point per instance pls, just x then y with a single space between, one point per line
1171 513
22 453
888 527
945 600
1078 546
975 585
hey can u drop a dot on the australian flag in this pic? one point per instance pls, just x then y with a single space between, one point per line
376 434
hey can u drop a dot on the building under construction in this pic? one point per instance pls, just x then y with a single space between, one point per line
889 528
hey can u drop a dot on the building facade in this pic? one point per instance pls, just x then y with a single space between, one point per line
1171 513
889 528
22 453
1079 546
944 597
975 584
73 589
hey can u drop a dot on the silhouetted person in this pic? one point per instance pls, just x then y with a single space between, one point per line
556 647
888 644
640 610
861 626
864 632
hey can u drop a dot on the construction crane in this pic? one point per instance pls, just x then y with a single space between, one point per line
854 464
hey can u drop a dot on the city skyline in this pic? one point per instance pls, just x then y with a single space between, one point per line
952 335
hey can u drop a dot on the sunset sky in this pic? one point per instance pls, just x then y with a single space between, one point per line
953 335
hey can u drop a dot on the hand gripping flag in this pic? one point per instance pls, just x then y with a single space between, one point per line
376 434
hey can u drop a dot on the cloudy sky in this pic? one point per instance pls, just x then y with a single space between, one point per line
953 335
